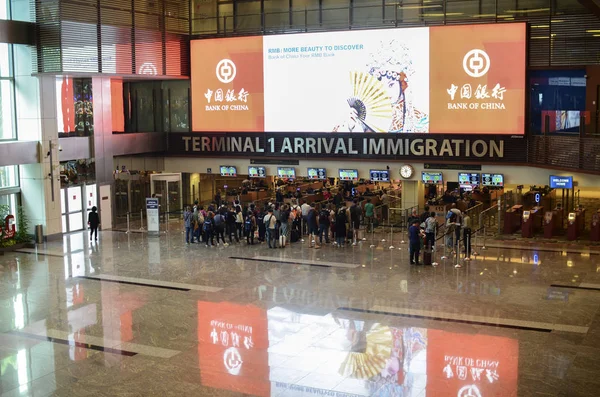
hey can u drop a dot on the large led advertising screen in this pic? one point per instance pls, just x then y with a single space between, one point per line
450 79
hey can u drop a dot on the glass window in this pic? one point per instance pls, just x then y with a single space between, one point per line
4 59
7 128
4 10
9 176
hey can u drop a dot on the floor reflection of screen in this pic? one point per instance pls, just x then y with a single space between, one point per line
232 347
471 365
368 357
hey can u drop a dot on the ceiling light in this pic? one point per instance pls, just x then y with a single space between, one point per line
540 26
527 11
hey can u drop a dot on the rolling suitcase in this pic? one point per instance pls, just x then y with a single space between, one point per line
282 241
294 235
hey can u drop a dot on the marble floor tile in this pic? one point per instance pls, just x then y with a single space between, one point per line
260 322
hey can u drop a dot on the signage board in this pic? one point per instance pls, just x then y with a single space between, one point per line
348 175
492 180
433 80
257 172
152 215
317 173
379 175
277 148
561 182
467 180
286 172
432 178
228 170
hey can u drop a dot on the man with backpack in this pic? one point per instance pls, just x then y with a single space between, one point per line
260 222
270 222
219 231
324 224
208 229
250 227
355 213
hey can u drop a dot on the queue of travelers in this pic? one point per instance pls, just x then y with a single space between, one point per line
280 224
277 224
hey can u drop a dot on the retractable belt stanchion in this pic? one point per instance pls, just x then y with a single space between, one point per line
372 236
484 233
141 219
445 256
434 247
391 235
127 223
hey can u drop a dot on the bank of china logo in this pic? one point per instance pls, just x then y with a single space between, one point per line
226 71
148 68
476 63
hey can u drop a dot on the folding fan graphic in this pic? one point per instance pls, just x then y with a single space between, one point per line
371 101
369 362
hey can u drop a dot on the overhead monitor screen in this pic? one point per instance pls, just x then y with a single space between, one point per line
228 170
348 175
257 172
380 175
432 178
317 173
467 180
286 172
464 79
492 180
561 182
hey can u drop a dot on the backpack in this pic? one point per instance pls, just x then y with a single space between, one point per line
207 226
248 224
324 216
260 218
284 216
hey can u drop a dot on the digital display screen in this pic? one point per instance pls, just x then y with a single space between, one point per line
561 182
257 172
317 173
467 180
380 175
286 172
432 178
492 180
467 79
349 175
228 170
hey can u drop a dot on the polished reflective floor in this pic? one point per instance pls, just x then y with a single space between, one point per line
133 315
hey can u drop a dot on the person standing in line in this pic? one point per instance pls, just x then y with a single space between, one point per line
220 227
239 222
187 221
93 223
414 240
355 213
340 227
313 229
331 209
466 227
231 227
250 227
195 224
208 229
270 223
430 230
324 225
218 198
262 228
305 208
284 229
369 215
